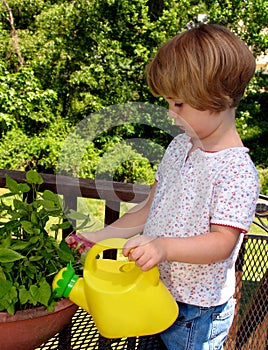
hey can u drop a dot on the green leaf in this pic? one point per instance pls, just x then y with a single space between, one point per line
11 309
65 253
74 215
11 184
34 292
5 243
15 187
20 245
24 188
10 226
24 295
35 258
2 275
34 239
6 195
34 218
77 216
51 202
63 225
29 227
49 205
8 297
33 177
19 204
9 255
47 194
42 293
5 287
83 224
64 246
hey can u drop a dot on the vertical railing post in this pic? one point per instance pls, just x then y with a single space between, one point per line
112 212
70 203
231 339
65 335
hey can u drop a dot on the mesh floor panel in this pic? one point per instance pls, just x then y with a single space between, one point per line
84 335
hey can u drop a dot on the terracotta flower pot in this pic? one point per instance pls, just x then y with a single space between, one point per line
28 329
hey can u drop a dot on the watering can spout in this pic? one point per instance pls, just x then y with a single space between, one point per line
68 285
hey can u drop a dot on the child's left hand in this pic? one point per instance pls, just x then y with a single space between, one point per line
78 242
146 251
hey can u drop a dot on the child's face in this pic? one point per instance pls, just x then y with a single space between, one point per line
195 123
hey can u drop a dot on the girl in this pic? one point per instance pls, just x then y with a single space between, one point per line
204 196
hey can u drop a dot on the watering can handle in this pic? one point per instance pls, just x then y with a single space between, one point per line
117 243
99 247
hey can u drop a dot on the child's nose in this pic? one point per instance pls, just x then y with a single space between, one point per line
172 115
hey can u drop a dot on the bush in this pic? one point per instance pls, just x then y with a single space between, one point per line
20 151
263 180
122 163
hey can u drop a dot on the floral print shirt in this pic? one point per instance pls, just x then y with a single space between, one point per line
192 193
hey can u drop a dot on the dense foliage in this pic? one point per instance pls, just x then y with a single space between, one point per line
62 61
31 253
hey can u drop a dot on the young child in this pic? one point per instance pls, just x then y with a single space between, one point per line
206 187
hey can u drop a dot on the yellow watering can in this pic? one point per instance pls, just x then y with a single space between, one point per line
124 301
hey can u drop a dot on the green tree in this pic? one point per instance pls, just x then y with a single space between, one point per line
24 104
249 20
81 56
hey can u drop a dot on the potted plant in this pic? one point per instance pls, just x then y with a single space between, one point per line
31 253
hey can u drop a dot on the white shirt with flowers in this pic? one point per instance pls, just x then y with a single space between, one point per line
192 193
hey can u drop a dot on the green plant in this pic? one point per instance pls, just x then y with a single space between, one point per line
263 179
30 251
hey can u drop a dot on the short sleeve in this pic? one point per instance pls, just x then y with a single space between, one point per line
234 198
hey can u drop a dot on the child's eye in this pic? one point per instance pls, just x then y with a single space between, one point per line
177 104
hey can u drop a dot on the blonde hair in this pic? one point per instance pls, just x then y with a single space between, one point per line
207 67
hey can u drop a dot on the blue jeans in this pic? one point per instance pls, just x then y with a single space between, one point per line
200 328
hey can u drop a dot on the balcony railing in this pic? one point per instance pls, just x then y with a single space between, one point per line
249 329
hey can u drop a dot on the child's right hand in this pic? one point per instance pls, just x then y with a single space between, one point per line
146 251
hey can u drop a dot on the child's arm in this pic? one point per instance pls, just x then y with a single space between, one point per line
127 226
214 246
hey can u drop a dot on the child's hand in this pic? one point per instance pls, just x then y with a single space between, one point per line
146 251
78 242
